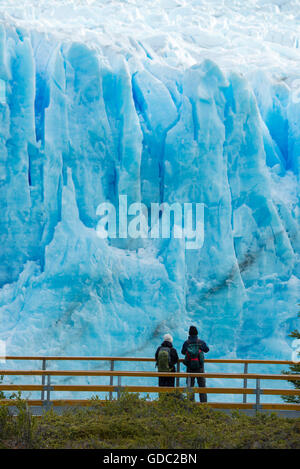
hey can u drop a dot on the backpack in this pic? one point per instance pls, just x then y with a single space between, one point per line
163 359
194 357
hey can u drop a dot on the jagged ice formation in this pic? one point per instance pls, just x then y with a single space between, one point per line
84 119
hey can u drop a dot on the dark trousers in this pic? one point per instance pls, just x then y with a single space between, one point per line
166 381
201 383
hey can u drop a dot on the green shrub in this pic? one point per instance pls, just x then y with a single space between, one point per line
132 422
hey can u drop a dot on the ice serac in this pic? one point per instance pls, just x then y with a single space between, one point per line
82 124
88 298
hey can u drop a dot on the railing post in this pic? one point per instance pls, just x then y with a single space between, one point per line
48 389
119 387
245 382
178 371
43 380
111 381
189 387
189 382
258 393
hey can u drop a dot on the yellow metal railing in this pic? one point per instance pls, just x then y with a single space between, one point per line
47 388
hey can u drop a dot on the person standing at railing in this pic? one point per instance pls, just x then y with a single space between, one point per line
166 358
194 349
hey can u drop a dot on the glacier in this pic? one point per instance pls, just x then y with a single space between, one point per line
163 105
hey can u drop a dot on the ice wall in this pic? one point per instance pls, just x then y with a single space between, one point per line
82 124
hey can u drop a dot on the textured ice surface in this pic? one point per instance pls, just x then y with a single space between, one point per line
171 100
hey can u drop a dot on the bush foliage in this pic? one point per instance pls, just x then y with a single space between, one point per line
170 422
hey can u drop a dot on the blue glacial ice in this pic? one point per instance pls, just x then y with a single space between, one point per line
82 122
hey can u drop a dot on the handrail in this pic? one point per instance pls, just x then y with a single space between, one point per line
143 359
147 374
91 387
46 387
101 387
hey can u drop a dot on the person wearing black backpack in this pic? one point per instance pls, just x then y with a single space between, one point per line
166 358
194 349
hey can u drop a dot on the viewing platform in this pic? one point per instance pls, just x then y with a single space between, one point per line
115 387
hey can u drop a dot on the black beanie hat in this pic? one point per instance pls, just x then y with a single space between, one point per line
193 330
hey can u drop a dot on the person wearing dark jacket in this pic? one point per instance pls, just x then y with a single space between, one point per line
193 338
173 359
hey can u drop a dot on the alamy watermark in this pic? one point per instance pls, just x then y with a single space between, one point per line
180 221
